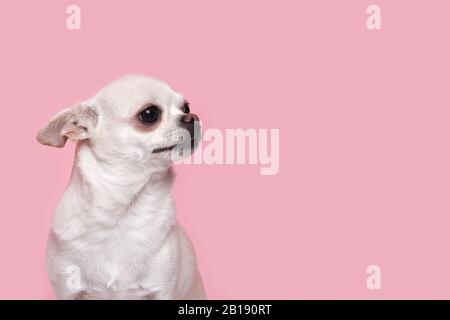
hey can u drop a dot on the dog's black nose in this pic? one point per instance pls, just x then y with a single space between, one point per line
188 119
190 122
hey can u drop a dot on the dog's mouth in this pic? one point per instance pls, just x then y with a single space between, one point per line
192 143
163 149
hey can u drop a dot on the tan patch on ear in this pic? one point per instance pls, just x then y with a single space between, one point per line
50 135
74 123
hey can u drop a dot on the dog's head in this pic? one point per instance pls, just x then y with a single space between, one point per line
135 118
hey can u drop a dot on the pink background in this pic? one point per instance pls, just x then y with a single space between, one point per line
363 116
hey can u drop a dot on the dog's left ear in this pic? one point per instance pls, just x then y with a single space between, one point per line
75 123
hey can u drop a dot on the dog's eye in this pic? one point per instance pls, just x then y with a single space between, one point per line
150 114
186 107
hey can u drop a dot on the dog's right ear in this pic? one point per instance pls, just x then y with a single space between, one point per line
75 123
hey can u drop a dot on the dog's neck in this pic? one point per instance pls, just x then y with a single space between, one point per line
115 189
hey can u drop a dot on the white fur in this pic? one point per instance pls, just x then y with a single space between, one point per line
116 221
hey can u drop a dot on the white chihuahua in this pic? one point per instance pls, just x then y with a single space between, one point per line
115 227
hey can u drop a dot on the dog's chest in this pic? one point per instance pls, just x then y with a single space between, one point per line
117 258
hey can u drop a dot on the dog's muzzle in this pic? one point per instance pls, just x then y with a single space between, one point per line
191 123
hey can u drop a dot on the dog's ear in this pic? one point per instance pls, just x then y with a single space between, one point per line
76 123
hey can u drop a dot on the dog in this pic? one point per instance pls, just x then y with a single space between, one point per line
114 234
